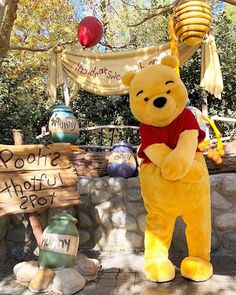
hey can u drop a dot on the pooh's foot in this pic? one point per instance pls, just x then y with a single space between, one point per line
196 269
159 270
196 173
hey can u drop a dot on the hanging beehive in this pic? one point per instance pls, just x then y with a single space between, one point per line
192 20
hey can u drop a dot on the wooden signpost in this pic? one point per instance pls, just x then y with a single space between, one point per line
36 176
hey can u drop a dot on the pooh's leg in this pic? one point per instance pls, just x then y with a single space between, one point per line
197 266
158 235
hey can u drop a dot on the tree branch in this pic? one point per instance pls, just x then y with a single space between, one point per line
159 11
232 2
30 48
133 5
40 49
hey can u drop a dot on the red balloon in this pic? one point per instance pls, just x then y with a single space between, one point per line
90 31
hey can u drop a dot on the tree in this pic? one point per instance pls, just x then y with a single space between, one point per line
8 9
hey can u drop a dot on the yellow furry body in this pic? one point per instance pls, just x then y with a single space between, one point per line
175 182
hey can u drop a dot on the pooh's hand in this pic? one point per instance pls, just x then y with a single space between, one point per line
196 173
175 166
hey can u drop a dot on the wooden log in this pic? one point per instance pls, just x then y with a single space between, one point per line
228 165
94 164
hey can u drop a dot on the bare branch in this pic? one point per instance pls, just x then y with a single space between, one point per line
117 47
30 48
133 5
41 49
159 11
232 2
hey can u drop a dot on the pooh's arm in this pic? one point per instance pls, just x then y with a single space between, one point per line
157 153
180 162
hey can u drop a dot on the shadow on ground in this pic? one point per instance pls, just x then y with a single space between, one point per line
121 274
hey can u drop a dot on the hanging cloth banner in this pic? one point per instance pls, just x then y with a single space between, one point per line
100 73
211 76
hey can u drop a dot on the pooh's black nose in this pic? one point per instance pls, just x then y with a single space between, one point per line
160 102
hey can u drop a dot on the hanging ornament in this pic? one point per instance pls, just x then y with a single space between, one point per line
192 20
90 31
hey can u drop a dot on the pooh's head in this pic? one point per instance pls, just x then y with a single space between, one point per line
157 94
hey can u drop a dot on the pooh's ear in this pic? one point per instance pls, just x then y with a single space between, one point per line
170 60
127 78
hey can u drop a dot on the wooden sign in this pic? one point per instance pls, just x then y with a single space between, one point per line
36 176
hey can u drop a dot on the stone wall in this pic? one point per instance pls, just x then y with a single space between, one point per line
112 218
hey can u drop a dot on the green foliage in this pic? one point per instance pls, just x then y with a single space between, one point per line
24 102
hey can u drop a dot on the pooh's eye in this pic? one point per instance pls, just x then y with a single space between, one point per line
140 92
146 99
168 91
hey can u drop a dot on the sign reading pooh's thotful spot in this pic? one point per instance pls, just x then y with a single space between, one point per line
36 176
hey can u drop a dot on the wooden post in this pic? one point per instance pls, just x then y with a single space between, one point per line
66 90
18 138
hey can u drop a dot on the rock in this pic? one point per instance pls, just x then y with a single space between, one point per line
134 195
84 237
142 222
116 184
84 204
84 220
214 241
22 253
179 239
117 203
36 252
136 240
3 251
87 267
133 182
103 206
135 208
215 181
100 210
229 242
84 185
3 226
98 196
106 221
219 202
98 183
100 236
120 240
68 281
19 234
25 271
124 220
41 280
14 220
94 216
226 221
228 185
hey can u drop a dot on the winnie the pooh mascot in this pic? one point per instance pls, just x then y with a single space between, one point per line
173 175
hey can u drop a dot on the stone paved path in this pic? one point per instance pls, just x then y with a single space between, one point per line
121 275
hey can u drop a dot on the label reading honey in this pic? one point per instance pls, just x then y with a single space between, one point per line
119 157
59 243
69 125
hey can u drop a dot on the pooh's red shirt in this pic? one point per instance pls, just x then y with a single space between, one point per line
168 135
